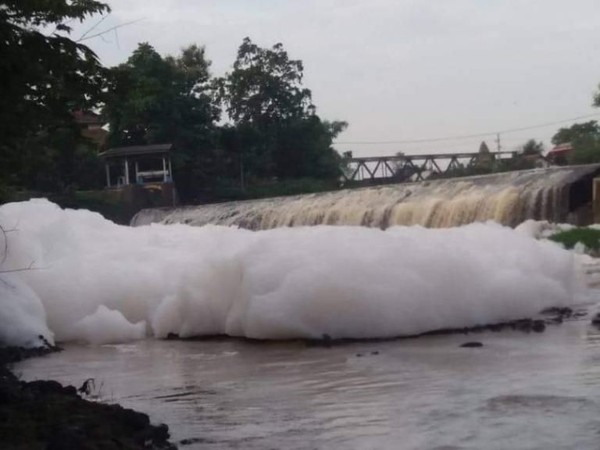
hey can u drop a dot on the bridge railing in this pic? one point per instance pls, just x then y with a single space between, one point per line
406 168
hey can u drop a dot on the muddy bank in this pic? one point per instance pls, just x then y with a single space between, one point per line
47 415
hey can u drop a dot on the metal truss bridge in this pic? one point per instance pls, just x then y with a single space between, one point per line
408 168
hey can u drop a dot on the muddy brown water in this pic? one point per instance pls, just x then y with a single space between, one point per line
525 391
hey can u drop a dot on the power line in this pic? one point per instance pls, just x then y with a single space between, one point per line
108 30
468 136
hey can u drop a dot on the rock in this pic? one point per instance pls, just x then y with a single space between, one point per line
523 325
375 353
152 434
191 441
44 414
87 387
472 345
538 326
45 387
67 437
133 419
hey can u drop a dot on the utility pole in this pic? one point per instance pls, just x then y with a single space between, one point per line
498 144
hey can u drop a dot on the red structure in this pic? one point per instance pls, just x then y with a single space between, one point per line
559 154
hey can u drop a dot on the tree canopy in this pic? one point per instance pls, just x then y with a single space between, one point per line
271 132
532 148
276 131
154 99
265 86
44 77
576 132
585 139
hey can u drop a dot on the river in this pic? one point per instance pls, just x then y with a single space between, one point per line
526 391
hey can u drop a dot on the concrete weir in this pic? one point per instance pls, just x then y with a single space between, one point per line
558 194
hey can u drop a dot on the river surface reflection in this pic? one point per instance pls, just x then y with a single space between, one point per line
525 391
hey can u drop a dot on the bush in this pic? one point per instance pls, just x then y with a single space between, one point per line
587 236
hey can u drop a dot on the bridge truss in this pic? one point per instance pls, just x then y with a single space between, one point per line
406 168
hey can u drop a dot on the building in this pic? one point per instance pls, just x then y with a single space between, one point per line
141 174
91 127
559 155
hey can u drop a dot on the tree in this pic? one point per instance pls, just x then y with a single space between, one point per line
596 101
265 86
585 140
577 132
532 148
153 100
279 134
43 79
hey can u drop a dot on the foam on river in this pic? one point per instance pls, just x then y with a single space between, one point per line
94 281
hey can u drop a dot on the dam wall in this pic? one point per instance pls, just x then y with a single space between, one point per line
559 194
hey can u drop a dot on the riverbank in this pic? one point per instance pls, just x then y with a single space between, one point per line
47 415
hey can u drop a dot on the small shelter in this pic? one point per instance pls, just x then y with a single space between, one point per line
138 164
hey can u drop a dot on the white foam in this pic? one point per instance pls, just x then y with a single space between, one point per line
22 316
106 326
101 282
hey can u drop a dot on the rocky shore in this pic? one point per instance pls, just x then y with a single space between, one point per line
47 415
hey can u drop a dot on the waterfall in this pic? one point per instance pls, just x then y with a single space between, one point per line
507 198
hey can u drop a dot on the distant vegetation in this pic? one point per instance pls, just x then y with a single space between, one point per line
587 236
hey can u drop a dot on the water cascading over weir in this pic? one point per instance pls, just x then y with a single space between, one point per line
559 194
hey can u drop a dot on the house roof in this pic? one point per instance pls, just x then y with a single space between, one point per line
137 150
561 149
97 135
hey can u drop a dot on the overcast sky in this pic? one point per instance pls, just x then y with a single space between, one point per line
398 70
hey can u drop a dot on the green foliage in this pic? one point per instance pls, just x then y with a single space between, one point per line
585 151
587 236
576 132
596 101
56 160
44 78
275 135
265 86
532 148
585 139
154 100
276 132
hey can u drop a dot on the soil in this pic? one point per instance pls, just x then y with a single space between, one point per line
48 416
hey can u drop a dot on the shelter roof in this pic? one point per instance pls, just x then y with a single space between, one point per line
560 149
137 150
